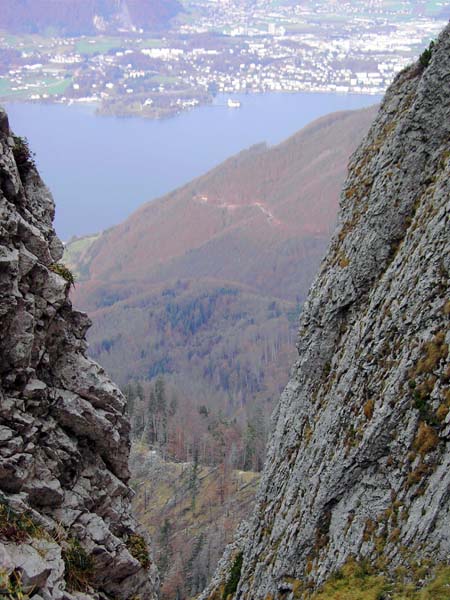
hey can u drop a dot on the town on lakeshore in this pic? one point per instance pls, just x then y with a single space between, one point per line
222 47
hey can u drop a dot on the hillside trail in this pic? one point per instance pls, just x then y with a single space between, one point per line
232 207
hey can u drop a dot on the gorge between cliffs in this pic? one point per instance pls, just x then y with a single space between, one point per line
354 497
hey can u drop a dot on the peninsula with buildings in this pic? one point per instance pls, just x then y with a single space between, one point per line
221 47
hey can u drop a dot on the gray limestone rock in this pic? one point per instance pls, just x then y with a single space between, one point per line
63 430
359 457
31 566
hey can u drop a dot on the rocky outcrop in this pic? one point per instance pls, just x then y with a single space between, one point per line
359 460
66 529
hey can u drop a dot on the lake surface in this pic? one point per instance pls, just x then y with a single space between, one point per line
102 168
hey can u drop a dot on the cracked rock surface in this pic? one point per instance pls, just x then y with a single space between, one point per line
359 459
63 431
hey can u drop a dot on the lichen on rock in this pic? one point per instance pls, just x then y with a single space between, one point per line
64 498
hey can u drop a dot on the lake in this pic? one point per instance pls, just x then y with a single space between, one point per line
100 169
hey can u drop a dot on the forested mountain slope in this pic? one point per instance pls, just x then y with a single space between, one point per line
357 479
204 285
262 218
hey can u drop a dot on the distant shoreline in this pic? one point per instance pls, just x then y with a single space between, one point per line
95 104
107 167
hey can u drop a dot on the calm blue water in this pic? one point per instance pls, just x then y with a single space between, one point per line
101 168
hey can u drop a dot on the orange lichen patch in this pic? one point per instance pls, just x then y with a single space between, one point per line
343 261
426 439
433 352
369 530
446 308
418 474
368 409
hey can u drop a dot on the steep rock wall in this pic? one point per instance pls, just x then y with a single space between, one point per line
359 460
65 520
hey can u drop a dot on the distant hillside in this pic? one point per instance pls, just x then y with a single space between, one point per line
204 285
76 17
260 214
211 336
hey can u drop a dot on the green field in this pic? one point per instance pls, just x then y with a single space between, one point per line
98 45
75 250
7 92
46 86
57 87
164 79
151 43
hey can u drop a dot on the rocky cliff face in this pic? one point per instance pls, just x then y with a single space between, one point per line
359 461
66 530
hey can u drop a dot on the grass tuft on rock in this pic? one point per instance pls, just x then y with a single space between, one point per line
11 587
138 549
23 156
426 55
354 582
18 528
79 566
234 578
63 271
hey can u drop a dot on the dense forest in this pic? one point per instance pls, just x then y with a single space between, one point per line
214 340
204 381
180 429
